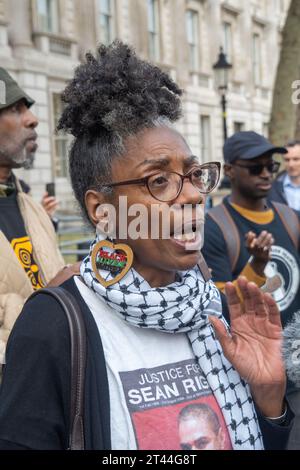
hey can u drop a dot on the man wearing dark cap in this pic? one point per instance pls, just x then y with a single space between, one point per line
29 257
248 235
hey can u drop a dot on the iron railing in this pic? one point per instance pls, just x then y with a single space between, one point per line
74 237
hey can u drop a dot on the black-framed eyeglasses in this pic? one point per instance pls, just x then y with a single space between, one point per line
256 170
165 186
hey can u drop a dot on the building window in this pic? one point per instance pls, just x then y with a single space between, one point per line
238 126
205 147
47 12
106 13
153 29
265 129
256 58
192 31
227 40
61 139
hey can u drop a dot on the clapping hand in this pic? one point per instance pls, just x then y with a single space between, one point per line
259 246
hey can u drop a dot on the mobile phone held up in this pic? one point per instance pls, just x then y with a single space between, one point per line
50 188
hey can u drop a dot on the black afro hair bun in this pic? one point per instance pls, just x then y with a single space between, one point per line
117 92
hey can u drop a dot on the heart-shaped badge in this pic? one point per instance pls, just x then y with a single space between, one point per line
117 261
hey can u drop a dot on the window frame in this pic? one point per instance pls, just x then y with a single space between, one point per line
238 126
154 37
227 39
194 45
106 36
54 19
256 58
60 165
205 138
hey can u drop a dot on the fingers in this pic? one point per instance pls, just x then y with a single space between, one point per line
255 302
50 204
250 239
259 307
274 313
233 300
263 241
223 337
48 199
242 283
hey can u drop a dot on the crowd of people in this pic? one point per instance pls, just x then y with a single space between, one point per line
184 329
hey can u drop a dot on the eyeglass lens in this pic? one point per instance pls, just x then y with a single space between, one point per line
166 186
272 167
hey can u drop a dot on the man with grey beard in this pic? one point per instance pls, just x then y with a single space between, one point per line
29 256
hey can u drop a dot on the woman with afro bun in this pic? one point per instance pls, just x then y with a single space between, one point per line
156 340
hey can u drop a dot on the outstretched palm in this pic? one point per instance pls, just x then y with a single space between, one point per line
254 344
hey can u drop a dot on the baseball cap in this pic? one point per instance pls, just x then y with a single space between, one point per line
10 93
246 145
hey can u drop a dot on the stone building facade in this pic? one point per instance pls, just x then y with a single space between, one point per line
42 41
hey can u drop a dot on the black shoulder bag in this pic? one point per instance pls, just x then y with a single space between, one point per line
78 361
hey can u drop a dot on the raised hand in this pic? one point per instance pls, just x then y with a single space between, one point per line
259 247
50 204
254 344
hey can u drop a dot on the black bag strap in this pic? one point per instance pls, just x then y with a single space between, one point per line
204 269
78 361
223 219
290 221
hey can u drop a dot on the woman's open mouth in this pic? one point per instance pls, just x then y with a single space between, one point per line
189 237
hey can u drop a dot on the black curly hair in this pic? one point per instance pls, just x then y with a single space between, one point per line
112 96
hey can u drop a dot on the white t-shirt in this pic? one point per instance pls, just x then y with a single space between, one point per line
152 376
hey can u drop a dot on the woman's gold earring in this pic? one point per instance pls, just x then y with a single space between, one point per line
117 261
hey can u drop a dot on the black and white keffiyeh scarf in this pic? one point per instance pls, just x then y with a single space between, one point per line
184 307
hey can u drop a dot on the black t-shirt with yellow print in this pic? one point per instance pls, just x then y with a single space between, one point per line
12 225
284 262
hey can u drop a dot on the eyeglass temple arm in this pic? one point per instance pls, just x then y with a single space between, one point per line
123 183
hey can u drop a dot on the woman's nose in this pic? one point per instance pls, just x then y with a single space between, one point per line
190 194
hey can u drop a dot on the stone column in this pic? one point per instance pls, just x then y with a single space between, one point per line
86 18
139 28
20 29
181 58
4 48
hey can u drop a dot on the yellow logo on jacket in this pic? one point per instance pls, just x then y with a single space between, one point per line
23 250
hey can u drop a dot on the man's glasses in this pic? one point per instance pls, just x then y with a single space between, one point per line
165 186
272 167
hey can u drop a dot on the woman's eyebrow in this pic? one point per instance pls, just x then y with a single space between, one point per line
190 160
163 162
155 162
